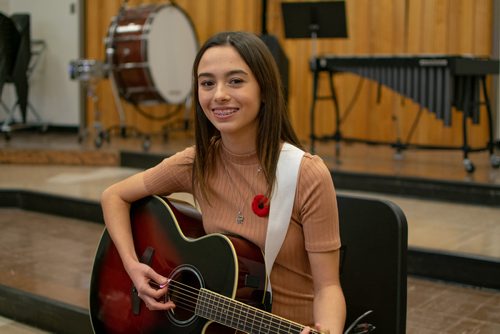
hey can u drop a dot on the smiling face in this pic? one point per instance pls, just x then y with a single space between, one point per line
229 94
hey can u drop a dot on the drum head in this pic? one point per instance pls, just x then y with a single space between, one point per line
171 49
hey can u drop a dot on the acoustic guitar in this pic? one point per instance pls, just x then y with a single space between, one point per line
217 282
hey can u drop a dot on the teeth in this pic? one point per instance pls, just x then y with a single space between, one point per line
225 112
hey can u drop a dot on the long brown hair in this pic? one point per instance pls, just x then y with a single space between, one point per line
274 125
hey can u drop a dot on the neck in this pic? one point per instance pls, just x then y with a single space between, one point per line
239 146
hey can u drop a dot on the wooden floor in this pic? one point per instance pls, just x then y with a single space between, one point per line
52 256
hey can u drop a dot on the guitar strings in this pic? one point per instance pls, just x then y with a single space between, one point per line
193 293
186 297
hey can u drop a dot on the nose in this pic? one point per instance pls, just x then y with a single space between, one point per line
221 94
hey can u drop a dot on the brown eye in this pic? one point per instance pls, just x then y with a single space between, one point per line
206 83
236 81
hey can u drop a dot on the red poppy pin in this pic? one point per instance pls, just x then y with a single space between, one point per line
260 205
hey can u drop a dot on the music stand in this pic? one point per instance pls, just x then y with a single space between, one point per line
319 19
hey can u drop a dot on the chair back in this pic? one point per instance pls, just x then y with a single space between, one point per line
9 45
373 264
22 23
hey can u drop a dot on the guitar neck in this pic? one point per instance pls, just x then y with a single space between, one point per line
237 315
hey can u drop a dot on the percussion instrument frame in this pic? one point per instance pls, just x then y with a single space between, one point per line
466 70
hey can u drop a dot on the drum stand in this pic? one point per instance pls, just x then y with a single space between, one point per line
122 127
125 130
100 134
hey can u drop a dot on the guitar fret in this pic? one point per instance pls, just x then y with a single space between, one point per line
231 314
240 320
267 323
200 306
204 307
247 323
219 306
283 329
225 311
250 321
212 311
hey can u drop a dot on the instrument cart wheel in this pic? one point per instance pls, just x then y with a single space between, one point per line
98 141
469 166
101 137
146 144
398 155
44 128
495 161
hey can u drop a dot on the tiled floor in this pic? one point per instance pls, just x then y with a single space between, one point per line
433 307
464 228
8 326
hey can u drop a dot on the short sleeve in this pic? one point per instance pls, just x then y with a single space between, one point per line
172 174
318 209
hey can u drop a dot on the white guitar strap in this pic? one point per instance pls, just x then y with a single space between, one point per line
282 200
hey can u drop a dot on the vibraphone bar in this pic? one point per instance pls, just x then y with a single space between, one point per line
437 83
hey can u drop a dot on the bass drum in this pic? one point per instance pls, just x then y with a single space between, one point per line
150 51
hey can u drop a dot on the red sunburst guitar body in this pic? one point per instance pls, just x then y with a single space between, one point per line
217 282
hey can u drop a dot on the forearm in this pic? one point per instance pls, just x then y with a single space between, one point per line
116 214
330 309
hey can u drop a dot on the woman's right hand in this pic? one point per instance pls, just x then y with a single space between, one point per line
151 287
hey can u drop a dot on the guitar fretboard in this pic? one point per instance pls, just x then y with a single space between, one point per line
234 314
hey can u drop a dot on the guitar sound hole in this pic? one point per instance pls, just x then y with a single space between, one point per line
183 291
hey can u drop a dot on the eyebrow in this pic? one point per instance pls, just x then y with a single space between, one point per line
232 72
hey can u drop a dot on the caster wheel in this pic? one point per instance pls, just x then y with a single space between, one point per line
398 156
469 166
495 161
146 145
105 137
98 141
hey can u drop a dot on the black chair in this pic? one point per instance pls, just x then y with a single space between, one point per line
10 40
17 41
17 65
373 262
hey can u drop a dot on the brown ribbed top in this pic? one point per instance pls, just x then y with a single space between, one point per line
313 228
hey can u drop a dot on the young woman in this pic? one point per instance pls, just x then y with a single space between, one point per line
241 125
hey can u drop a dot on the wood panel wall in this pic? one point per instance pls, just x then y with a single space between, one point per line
374 27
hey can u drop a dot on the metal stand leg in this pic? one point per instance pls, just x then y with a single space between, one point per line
494 159
146 144
468 164
337 135
100 134
8 127
312 120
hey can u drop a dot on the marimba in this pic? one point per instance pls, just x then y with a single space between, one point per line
437 83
